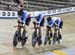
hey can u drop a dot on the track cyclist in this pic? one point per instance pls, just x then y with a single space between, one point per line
23 21
57 24
38 24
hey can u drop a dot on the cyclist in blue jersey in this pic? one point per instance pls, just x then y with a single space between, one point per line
49 25
39 20
38 23
56 23
23 20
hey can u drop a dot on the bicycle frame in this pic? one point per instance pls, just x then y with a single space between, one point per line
56 35
36 36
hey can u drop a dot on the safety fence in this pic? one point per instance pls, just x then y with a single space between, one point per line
14 14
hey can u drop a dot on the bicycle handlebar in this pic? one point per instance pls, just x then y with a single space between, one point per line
36 28
17 26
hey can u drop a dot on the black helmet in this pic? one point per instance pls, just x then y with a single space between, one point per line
49 18
17 1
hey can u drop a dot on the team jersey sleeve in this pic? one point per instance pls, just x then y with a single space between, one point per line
35 20
51 23
58 21
19 18
41 17
24 16
47 22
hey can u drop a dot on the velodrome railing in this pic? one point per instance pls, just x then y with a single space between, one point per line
39 4
14 14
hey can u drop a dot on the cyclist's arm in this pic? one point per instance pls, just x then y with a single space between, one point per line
35 20
41 17
47 23
51 23
19 18
58 20
24 16
58 24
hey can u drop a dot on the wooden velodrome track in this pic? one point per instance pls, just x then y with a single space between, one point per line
7 31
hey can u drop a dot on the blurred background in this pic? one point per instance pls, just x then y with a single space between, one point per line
34 5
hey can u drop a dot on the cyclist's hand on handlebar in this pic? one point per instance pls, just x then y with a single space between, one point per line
21 22
48 25
57 28
37 23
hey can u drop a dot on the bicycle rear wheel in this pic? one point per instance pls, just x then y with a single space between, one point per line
23 42
24 38
39 39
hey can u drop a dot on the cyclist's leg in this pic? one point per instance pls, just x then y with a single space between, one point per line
24 36
26 24
19 30
35 29
19 25
50 34
54 35
47 35
60 37
55 29
39 36
40 26
47 32
59 32
40 31
35 25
